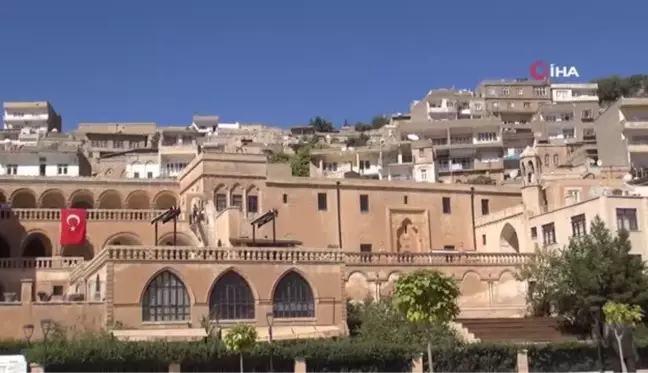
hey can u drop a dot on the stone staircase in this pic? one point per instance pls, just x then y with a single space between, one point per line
539 329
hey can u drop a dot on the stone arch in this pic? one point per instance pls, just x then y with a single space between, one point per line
293 296
23 198
36 244
231 297
138 200
181 240
388 286
110 199
509 239
3 197
123 239
357 286
508 290
474 291
82 199
5 248
165 200
52 199
85 250
166 298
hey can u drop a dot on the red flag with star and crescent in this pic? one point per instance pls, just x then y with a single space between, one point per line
73 226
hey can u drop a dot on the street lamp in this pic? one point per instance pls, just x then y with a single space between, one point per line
270 320
46 327
596 315
28 330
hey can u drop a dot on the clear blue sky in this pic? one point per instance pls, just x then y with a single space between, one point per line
281 62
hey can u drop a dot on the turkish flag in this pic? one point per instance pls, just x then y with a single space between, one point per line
73 226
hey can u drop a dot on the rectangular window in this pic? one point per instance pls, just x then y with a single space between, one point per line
252 204
423 174
446 205
549 234
534 233
62 169
221 201
12 169
485 207
448 247
237 201
135 175
405 200
149 175
627 219
321 201
579 225
365 247
41 170
285 198
364 203
118 144
483 239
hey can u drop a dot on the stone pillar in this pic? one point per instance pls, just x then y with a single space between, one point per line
417 364
300 365
36 368
522 361
26 290
174 368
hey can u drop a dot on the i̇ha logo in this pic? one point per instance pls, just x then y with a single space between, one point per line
540 70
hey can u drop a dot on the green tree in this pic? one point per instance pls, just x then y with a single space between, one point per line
541 272
611 88
379 121
361 140
592 270
382 321
239 339
428 299
621 318
321 125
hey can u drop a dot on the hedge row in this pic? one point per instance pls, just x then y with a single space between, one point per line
333 355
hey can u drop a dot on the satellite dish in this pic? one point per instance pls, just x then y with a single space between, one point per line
626 177
412 137
599 163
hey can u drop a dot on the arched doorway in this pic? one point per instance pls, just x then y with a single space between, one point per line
23 199
181 240
293 297
164 200
85 250
509 239
52 199
82 199
138 200
5 248
37 245
110 199
124 239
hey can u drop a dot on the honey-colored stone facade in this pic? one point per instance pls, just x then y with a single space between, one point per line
330 241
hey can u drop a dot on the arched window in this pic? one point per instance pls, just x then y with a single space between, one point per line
165 299
231 298
293 297
555 159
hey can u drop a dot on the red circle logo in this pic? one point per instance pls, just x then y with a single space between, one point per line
539 70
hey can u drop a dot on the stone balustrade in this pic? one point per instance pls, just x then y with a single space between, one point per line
40 263
116 215
435 258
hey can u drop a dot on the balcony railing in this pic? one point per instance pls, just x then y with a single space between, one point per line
91 215
40 263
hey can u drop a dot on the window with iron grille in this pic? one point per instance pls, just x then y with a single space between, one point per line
549 234
231 298
293 297
165 299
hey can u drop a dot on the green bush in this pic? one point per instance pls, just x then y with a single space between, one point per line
476 357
